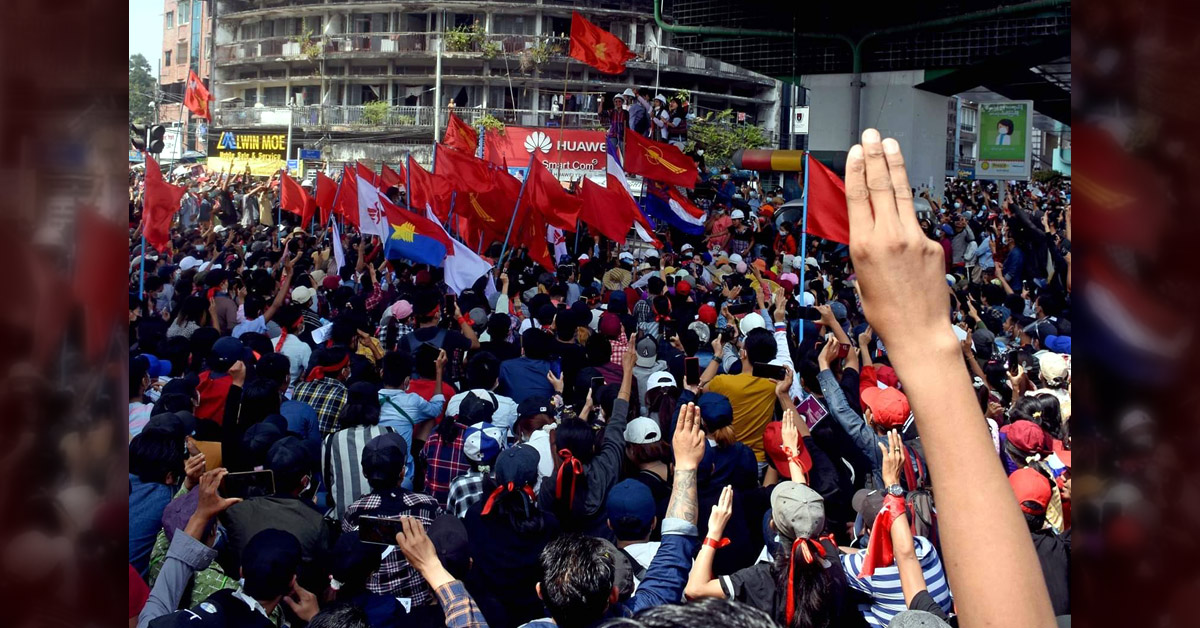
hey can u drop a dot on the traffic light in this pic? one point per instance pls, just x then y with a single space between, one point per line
147 138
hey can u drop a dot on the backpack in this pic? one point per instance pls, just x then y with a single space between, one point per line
919 499
411 344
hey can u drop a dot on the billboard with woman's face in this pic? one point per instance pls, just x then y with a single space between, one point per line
1005 148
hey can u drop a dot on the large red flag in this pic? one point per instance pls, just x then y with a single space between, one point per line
367 174
390 178
491 210
347 202
429 189
461 136
491 149
546 196
159 204
196 97
293 198
607 208
827 213
659 161
531 234
597 47
326 194
464 170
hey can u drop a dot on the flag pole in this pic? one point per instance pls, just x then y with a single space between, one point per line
804 228
337 194
408 180
142 273
516 208
450 219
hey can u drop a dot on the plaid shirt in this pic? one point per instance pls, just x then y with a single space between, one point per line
395 576
375 297
619 347
446 462
459 607
465 491
327 396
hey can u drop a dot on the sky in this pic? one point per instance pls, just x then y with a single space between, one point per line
146 31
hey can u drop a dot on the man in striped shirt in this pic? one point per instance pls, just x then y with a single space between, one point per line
887 597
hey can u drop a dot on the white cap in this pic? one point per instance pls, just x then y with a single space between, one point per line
735 259
628 93
584 257
626 256
702 331
661 98
807 299
737 213
302 294
644 266
686 247
752 321
682 273
189 263
660 379
811 261
643 431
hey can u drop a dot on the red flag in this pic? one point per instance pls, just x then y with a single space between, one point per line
464 170
159 204
366 173
531 234
546 196
607 209
429 189
597 47
827 213
461 136
658 161
491 209
196 97
391 178
99 264
347 202
326 193
491 149
293 198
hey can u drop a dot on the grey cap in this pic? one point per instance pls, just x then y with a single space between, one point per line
797 510
917 619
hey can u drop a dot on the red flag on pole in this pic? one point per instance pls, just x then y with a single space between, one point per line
659 161
460 135
597 47
546 195
347 202
159 204
464 170
826 209
326 194
293 198
391 178
491 209
607 209
196 97
429 189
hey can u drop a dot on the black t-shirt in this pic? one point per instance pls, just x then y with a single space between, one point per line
1054 554
923 601
757 587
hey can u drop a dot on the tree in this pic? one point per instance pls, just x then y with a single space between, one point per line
141 90
722 137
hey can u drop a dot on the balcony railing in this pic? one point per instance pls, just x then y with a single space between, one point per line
356 117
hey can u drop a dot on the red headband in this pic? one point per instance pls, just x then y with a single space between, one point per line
576 469
502 489
319 372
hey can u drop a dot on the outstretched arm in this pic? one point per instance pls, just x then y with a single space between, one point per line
901 274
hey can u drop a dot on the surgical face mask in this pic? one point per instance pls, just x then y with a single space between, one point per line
625 107
724 176
200 248
700 151
957 205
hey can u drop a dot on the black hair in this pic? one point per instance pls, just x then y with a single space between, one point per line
192 310
578 573
155 455
397 367
356 412
498 326
760 345
260 399
1043 409
483 369
709 611
172 402
599 350
578 438
137 378
340 616
520 510
1005 122
816 591
254 306
565 325
274 367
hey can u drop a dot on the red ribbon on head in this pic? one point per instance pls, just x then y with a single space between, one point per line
503 489
661 318
319 372
576 470
879 549
212 292
283 332
811 550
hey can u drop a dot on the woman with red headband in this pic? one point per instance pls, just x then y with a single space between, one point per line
584 473
804 587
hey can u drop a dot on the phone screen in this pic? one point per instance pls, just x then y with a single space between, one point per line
597 384
378 530
769 371
426 353
449 310
740 308
691 371
248 484
812 411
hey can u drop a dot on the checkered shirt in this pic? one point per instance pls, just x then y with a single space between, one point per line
465 491
446 462
327 396
395 576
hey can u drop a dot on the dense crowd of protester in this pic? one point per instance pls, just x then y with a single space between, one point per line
776 431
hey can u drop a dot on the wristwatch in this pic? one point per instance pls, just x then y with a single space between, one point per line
895 490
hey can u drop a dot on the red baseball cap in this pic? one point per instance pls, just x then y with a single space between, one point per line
889 406
1032 490
683 287
887 375
1027 436
707 315
773 445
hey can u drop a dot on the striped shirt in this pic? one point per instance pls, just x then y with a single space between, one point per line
884 586
341 464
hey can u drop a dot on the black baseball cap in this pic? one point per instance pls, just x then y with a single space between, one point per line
534 406
384 457
289 457
518 465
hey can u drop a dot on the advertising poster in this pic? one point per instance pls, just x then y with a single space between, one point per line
1005 146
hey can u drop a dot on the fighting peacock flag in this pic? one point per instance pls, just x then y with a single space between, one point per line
659 161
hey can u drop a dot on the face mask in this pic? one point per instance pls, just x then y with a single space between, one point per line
625 107
754 195
725 176
700 152
200 249
957 205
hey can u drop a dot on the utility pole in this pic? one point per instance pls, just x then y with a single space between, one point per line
437 80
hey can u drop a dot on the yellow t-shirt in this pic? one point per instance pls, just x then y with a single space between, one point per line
753 401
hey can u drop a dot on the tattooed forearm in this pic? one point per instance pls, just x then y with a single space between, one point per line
684 504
